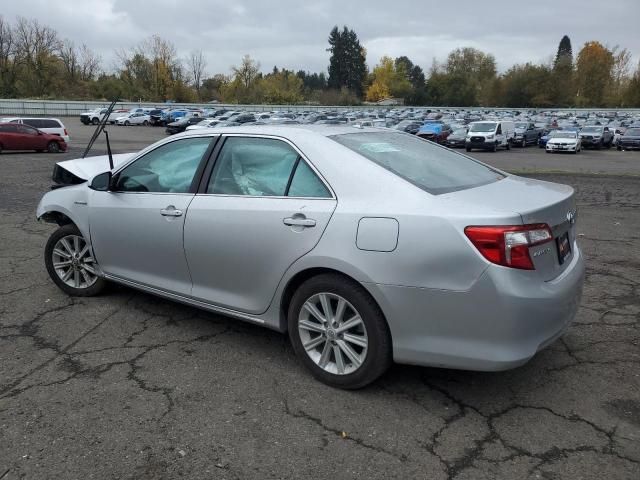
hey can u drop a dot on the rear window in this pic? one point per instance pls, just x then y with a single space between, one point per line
41 123
426 165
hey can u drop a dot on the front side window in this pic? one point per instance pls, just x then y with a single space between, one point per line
169 168
428 166
26 130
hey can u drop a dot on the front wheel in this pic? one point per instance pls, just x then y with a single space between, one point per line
145 123
53 147
95 121
126 123
468 149
523 143
338 332
70 263
508 147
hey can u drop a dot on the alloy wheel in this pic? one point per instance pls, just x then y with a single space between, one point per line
333 333
73 262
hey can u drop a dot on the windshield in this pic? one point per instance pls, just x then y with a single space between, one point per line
482 127
428 166
592 129
460 132
563 134
522 125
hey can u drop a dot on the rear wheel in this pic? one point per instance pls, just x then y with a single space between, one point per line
70 263
95 121
338 332
145 123
468 149
53 147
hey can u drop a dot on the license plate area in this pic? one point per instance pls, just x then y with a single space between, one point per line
564 247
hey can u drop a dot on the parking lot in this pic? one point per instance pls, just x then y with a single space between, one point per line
127 385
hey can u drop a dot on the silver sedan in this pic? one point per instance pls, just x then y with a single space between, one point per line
366 245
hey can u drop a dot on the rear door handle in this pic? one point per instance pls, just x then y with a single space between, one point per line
171 211
299 220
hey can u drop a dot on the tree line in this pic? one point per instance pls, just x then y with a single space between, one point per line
35 62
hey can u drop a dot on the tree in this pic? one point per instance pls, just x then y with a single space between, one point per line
196 64
7 59
415 75
283 87
470 73
388 79
593 74
619 75
347 64
563 84
631 95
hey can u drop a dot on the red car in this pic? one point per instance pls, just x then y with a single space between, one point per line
15 136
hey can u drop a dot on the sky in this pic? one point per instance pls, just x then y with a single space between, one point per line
293 33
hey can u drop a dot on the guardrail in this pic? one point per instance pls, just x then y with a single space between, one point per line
75 108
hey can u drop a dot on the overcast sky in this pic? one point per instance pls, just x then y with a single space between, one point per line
293 33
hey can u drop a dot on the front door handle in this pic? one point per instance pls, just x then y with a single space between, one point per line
299 220
171 211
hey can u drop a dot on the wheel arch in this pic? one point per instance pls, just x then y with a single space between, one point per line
54 216
302 276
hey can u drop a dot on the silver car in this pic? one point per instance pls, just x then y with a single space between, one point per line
366 245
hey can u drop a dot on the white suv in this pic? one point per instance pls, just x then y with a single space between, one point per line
47 125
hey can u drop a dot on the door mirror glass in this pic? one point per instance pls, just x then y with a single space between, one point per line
101 182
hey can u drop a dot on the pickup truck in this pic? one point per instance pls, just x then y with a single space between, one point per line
596 136
94 117
526 134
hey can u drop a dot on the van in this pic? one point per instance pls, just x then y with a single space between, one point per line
490 135
52 126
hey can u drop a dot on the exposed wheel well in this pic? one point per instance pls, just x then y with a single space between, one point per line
56 217
297 280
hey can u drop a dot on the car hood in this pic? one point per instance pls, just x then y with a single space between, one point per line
562 140
86 168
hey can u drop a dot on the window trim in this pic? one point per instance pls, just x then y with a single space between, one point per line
206 177
204 160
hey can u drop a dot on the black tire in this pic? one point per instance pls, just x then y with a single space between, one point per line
64 231
508 147
0 148
53 147
468 149
609 144
523 143
95 121
145 123
495 147
619 148
126 123
599 146
379 351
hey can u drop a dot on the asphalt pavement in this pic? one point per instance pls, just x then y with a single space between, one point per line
130 386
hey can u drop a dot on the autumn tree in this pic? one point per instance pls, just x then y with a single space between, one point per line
196 65
470 73
593 74
347 63
388 81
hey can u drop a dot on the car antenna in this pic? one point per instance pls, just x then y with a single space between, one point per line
106 134
99 129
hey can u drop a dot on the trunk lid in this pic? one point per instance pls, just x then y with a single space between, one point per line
534 201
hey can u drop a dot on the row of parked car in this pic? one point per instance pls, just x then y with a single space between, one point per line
39 134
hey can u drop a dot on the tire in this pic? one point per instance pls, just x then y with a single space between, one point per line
523 143
468 149
126 123
609 144
494 148
508 147
372 328
619 148
53 147
95 121
145 123
88 284
599 146
0 148
547 151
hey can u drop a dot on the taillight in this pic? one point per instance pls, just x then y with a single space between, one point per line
508 245
65 132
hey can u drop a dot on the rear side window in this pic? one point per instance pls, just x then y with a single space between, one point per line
8 129
426 165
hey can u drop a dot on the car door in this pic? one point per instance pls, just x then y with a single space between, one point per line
262 208
137 228
29 138
9 138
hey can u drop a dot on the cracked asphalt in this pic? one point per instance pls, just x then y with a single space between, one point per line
130 386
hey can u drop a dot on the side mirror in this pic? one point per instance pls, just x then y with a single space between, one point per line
102 182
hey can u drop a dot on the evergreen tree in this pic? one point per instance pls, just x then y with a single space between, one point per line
347 64
563 91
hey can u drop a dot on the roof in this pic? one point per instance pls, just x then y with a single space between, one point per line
287 131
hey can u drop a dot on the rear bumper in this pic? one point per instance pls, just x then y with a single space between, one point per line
500 323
